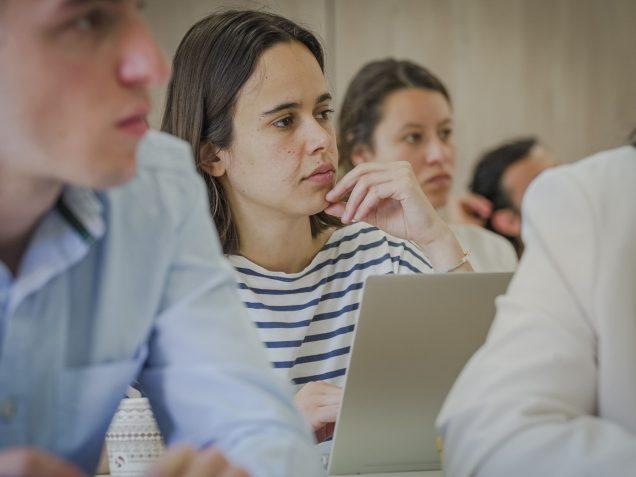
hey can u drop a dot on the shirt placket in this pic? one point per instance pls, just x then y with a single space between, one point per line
5 286
8 399
61 241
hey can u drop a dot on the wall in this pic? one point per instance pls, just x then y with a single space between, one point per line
562 69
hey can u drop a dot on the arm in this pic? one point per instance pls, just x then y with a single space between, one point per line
525 404
206 373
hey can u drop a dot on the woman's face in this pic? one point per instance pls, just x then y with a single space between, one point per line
417 127
283 155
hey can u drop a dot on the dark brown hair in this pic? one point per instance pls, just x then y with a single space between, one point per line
214 60
361 112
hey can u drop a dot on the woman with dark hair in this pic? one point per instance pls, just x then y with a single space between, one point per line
249 94
397 110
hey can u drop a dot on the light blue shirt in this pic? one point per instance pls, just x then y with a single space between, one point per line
130 285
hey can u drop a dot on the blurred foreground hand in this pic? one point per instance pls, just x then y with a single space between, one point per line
187 462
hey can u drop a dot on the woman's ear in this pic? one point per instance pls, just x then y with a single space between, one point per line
209 160
361 153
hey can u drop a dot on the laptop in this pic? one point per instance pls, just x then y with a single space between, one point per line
414 335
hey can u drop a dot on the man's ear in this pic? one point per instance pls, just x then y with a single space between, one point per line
506 222
361 153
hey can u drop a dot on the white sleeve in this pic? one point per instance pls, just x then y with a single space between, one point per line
525 404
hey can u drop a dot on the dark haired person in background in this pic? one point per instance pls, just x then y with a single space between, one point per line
502 176
110 269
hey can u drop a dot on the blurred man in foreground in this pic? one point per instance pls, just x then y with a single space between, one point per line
110 270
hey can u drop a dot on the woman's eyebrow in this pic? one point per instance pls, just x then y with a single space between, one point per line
72 3
323 97
411 126
281 107
294 105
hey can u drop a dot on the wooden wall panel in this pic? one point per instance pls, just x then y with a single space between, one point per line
171 19
562 69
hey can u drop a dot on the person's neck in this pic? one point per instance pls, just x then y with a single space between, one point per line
23 202
277 242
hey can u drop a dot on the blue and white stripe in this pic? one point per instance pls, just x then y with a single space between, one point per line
307 319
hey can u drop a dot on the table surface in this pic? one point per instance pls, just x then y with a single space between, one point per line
426 473
423 473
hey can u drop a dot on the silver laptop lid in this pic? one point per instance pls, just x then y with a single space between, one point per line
413 337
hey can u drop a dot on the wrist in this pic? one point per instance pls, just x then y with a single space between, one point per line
443 250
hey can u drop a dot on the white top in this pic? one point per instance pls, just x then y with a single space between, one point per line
553 390
489 252
306 319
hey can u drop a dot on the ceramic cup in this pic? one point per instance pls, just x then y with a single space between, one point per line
133 440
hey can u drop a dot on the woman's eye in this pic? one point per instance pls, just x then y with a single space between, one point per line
325 115
445 134
413 138
284 122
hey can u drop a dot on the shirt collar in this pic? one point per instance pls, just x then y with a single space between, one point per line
82 209
61 239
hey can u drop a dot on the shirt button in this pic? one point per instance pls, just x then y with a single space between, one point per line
7 410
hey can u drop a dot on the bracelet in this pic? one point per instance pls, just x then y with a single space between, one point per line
461 262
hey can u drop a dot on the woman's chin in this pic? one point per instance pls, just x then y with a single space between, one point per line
321 205
438 197
309 204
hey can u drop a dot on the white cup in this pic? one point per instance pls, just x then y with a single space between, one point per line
133 440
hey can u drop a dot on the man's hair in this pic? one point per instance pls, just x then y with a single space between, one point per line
214 60
488 178
488 173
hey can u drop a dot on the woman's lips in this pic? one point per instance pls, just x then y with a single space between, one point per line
440 179
322 178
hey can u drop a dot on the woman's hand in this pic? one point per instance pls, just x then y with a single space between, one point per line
469 209
319 403
388 196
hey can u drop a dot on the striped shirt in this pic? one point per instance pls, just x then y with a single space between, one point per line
306 319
